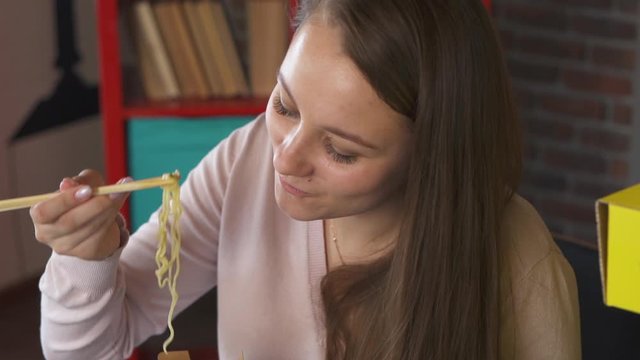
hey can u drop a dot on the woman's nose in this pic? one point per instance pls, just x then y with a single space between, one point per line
292 156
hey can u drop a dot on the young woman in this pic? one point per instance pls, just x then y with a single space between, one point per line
370 213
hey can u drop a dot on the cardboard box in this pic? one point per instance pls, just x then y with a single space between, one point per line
618 217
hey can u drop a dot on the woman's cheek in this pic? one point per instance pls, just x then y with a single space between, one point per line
275 134
347 180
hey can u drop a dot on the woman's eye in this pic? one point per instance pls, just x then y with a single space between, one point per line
338 157
281 109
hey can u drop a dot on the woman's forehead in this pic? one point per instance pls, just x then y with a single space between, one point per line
328 88
318 73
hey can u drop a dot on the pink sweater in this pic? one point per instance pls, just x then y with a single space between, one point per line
267 268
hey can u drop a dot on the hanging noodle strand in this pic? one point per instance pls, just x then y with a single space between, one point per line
168 264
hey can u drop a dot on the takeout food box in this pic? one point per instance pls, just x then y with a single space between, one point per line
618 217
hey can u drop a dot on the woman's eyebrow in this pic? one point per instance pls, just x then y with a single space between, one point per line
351 137
286 88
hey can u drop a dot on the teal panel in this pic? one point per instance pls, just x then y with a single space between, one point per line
162 145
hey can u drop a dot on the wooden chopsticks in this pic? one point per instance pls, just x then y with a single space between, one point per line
160 181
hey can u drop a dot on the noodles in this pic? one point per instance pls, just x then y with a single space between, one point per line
168 265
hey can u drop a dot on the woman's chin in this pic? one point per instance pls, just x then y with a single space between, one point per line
297 211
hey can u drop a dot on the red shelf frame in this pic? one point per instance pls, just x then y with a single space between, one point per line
111 95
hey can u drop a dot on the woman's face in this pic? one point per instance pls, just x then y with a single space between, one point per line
338 149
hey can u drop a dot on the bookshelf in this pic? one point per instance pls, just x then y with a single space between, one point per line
117 110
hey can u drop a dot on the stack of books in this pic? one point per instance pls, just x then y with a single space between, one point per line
186 49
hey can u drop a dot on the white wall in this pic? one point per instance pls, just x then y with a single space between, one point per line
27 75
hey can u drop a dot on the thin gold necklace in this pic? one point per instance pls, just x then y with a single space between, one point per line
334 238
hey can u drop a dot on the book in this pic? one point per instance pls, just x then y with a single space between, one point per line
181 49
158 77
220 47
238 84
151 81
193 10
268 39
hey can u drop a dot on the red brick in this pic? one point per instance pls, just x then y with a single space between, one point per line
592 189
586 233
556 226
568 210
578 107
524 97
598 4
619 169
622 114
567 160
535 16
530 152
605 140
597 83
533 72
614 57
507 38
549 129
628 6
546 180
609 28
552 47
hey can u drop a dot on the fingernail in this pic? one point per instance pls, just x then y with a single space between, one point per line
83 193
121 181
67 181
125 180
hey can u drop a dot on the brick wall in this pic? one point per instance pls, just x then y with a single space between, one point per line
574 69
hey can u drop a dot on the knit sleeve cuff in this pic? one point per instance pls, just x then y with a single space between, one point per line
67 275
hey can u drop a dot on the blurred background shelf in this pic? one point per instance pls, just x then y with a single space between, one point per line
195 108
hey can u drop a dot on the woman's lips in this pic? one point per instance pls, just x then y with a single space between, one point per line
292 189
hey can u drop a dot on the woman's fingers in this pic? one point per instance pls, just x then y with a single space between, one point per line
77 223
73 191
89 177
120 198
89 241
50 210
67 183
75 220
73 194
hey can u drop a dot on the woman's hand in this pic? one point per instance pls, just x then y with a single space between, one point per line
76 223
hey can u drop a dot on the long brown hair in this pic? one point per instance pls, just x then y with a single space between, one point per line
436 295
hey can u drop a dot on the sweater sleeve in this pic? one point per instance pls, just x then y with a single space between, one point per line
547 312
103 309
540 317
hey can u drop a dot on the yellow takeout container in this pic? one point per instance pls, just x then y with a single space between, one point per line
618 217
